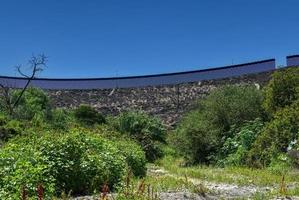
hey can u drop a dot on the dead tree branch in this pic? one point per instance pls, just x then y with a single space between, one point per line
37 64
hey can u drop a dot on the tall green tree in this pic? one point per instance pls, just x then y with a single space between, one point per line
203 131
282 90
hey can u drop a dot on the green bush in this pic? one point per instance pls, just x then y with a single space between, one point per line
193 138
235 149
9 128
78 162
202 132
134 156
3 119
33 102
132 152
233 105
3 104
280 164
282 90
87 115
146 130
276 137
60 119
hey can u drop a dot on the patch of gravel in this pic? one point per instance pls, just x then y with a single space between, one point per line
182 196
215 190
231 191
219 190
162 196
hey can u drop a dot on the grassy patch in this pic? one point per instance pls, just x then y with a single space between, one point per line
294 191
241 176
150 187
167 183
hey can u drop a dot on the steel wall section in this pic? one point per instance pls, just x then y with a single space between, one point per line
293 60
149 80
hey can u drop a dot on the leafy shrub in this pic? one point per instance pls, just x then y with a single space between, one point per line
9 128
232 105
280 164
282 90
146 130
3 104
203 131
60 119
170 151
236 147
134 156
33 102
192 139
132 152
78 162
88 115
3 119
276 136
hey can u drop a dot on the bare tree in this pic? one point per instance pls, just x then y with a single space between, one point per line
36 64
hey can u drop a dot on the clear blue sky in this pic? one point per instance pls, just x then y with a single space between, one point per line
102 38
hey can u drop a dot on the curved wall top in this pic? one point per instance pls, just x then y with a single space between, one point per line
293 60
141 81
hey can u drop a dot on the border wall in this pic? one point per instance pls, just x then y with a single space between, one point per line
167 96
293 60
143 81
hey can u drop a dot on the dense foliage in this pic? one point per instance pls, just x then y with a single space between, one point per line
87 115
193 140
241 125
203 131
282 90
134 156
50 152
60 119
133 152
276 137
146 130
240 140
80 150
232 105
79 162
9 128
34 102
